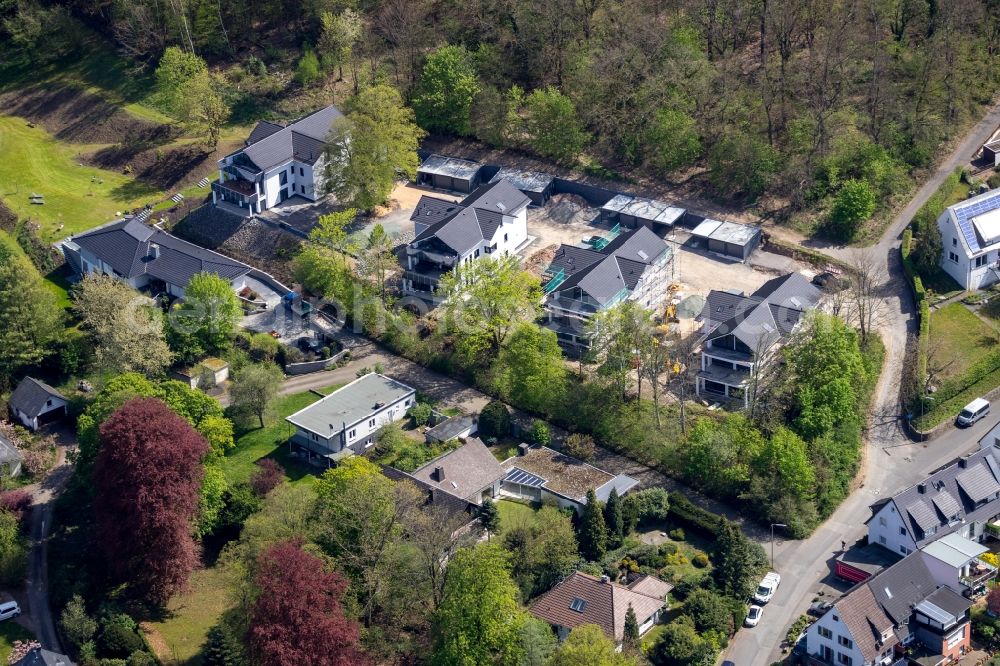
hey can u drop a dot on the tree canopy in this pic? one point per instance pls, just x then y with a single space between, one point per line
29 318
448 84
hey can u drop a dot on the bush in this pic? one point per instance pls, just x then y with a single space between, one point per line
668 548
307 72
494 420
421 414
649 505
120 641
700 560
17 503
540 433
694 517
579 446
677 534
854 204
268 475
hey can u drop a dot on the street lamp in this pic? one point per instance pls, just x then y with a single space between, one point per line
773 525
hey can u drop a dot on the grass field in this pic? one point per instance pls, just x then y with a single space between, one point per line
55 282
270 442
78 197
189 616
513 513
959 338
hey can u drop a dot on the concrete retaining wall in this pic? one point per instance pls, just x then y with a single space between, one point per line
306 367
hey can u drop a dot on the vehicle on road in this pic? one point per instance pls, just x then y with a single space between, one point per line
753 616
9 609
972 412
767 587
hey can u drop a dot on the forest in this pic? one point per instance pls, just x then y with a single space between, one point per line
813 111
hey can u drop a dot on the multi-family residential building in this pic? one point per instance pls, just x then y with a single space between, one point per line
346 422
916 612
741 331
962 497
278 162
636 265
492 221
970 238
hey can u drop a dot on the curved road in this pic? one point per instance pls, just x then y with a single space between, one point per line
892 461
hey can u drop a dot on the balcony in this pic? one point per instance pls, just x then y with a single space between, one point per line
979 575
236 191
728 354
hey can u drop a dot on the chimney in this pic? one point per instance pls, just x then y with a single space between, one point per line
522 449
154 251
963 462
439 474
605 579
922 488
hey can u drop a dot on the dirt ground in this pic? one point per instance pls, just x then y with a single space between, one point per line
565 219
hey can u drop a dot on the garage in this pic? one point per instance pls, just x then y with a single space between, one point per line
537 186
34 403
449 173
736 241
633 212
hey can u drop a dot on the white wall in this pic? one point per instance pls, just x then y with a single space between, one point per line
956 262
834 623
888 534
364 431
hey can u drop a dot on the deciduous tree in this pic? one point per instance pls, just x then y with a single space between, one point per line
210 313
553 128
587 645
448 85
479 619
147 479
124 327
254 389
298 617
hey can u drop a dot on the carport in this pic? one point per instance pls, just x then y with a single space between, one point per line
449 173
537 186
633 212
728 238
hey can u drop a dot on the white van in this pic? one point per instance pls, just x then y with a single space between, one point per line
9 609
972 412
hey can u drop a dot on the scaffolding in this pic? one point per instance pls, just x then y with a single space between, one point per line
554 280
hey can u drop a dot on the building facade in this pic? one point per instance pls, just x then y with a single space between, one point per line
970 238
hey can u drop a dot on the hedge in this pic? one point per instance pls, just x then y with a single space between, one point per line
684 511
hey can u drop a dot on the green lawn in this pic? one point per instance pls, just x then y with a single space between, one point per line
959 338
271 441
189 616
513 513
11 631
55 281
34 162
504 449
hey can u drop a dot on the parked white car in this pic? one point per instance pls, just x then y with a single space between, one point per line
767 588
9 609
753 616
972 412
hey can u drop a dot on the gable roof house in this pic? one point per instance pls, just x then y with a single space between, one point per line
581 281
970 237
470 472
540 474
42 657
584 599
347 421
740 331
277 162
492 220
34 403
144 256
963 497
910 613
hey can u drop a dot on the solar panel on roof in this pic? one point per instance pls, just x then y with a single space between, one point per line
520 477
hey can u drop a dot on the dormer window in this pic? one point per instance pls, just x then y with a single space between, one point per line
577 605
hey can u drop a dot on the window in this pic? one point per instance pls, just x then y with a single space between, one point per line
825 633
902 531
981 261
351 433
882 521
954 242
845 641
371 423
407 403
881 539
904 550
48 403
477 253
578 605
302 171
505 238
302 189
844 659
283 178
953 257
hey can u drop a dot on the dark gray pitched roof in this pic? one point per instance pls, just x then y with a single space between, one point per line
262 130
901 586
31 395
453 504
303 140
467 470
946 600
948 496
474 220
8 452
766 315
602 274
42 657
128 247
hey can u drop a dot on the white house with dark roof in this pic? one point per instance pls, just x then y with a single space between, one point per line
278 162
636 265
144 256
970 238
740 330
470 472
492 221
962 497
347 421
34 403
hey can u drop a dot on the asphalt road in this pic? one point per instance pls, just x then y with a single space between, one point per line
892 461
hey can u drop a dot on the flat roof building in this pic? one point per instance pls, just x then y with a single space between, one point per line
538 186
631 211
728 238
449 173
